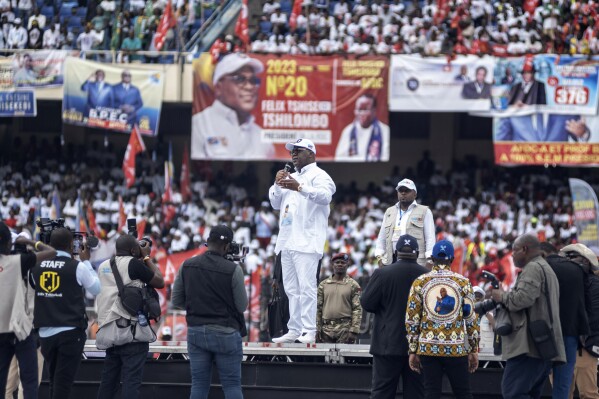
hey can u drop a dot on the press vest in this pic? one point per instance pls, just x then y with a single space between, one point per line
59 299
16 297
414 227
208 292
109 303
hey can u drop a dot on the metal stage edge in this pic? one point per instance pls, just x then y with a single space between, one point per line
289 371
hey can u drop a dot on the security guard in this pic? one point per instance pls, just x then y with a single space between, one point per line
339 313
59 311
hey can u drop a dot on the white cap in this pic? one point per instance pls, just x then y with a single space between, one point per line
478 290
303 143
406 183
265 204
17 20
234 62
584 251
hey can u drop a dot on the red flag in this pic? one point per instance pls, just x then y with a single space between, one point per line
135 146
297 9
241 27
167 21
91 219
168 210
185 182
122 215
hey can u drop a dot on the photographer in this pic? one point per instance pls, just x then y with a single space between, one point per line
16 310
60 309
530 302
135 268
212 291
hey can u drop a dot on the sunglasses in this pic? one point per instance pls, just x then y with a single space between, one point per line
241 80
297 151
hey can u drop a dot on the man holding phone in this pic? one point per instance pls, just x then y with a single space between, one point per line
59 311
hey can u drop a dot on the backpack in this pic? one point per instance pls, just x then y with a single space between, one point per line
136 299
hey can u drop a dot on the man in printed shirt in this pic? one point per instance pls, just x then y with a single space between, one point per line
436 334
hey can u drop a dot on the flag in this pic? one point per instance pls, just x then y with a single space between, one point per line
135 146
185 180
55 207
167 21
241 27
168 210
122 221
91 220
297 9
80 221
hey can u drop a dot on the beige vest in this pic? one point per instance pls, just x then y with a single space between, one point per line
16 298
415 228
108 302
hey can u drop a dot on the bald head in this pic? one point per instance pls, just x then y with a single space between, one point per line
62 239
127 245
526 247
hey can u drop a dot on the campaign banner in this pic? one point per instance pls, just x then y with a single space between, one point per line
246 107
41 68
549 83
112 97
17 103
439 85
586 217
546 139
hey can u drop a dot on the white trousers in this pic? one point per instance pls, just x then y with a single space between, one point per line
300 283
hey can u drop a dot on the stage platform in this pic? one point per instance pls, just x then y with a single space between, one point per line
289 371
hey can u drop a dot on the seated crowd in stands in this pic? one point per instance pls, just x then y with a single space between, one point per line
481 208
479 27
128 25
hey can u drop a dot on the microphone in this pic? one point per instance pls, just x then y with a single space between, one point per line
288 168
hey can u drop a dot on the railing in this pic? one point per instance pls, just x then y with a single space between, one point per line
119 56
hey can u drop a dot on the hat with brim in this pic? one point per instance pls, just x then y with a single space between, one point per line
585 252
341 255
301 143
406 183
234 62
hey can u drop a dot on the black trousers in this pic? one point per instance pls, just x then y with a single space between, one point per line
386 371
456 370
62 353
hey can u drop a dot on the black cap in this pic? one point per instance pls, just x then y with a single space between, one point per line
407 241
221 233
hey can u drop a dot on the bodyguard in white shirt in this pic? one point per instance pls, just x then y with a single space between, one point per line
303 199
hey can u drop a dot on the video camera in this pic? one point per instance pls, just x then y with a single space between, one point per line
234 255
488 305
132 228
47 226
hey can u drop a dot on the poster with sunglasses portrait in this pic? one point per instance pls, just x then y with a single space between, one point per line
247 106
112 97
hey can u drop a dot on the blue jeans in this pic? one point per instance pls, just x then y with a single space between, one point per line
128 359
206 346
26 353
563 374
524 377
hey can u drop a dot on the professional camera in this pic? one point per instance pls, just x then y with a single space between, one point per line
234 255
47 226
503 325
132 228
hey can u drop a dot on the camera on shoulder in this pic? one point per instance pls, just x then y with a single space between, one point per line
236 253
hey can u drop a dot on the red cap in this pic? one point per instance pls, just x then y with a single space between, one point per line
340 255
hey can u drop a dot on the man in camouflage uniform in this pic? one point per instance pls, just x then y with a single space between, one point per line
440 305
339 312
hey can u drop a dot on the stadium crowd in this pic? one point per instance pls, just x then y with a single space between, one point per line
126 26
481 212
430 28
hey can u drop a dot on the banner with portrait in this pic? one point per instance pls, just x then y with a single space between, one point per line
586 218
112 97
17 103
546 139
438 85
39 69
246 107
556 84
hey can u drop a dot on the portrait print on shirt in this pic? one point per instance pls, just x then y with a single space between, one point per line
442 301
